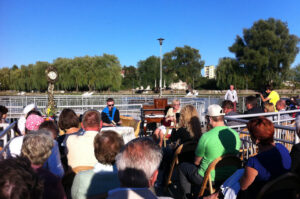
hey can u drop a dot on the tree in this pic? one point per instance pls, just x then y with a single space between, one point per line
130 78
266 52
148 71
229 72
183 63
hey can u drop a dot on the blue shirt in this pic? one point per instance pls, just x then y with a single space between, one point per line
271 164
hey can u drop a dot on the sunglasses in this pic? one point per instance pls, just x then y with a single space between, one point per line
110 105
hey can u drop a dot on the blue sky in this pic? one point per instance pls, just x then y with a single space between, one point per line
43 30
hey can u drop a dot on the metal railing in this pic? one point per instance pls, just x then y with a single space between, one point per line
6 135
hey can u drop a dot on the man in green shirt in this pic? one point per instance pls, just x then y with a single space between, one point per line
216 142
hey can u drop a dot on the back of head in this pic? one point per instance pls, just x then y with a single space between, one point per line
189 119
91 119
33 122
106 146
3 111
269 87
68 119
18 180
280 105
269 107
137 162
50 126
251 100
262 130
37 146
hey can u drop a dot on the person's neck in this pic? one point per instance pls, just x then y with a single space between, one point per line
92 129
216 124
262 148
72 130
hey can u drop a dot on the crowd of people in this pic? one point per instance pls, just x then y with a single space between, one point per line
72 158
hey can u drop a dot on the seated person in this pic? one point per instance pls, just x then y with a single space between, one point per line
37 148
171 114
272 160
252 106
281 106
228 107
104 176
269 108
110 115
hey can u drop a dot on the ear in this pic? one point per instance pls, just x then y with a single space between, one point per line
153 178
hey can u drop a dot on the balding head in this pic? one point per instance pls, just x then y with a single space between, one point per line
280 105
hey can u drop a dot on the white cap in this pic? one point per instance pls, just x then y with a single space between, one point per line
214 110
28 108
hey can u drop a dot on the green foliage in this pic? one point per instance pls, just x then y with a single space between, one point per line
266 52
148 71
130 79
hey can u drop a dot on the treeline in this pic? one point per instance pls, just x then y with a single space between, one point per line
263 55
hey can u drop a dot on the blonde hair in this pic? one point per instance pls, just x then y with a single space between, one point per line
269 107
37 147
189 119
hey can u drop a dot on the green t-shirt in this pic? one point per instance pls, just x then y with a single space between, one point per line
215 143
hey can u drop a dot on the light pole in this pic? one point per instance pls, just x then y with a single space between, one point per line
160 80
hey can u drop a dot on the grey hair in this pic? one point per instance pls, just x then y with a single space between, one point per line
140 154
298 125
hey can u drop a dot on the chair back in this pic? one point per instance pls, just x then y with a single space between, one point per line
287 184
183 149
222 161
82 168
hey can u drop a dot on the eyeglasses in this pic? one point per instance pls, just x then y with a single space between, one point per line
110 105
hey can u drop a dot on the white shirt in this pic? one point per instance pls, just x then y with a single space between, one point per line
232 96
15 146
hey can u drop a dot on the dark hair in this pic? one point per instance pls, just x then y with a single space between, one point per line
50 126
17 174
110 100
3 109
91 118
68 119
106 146
227 104
251 100
269 87
261 129
33 112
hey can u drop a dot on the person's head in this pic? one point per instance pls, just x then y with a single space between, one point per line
190 120
33 123
50 126
18 179
110 103
29 108
91 120
176 104
68 119
227 106
269 107
251 102
231 87
34 112
280 105
138 162
3 112
269 89
261 131
106 146
37 147
215 116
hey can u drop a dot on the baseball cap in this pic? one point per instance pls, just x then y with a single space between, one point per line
214 110
28 108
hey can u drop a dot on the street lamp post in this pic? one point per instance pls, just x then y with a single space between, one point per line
160 80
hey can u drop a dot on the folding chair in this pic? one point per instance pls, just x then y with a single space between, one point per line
225 160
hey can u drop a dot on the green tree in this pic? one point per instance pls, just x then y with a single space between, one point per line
183 63
148 71
130 78
265 52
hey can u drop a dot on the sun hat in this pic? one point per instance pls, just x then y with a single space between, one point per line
33 122
28 108
214 110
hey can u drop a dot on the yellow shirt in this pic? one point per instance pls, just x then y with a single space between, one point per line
273 98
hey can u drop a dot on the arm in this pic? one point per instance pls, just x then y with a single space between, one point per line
54 162
248 177
197 160
226 95
264 99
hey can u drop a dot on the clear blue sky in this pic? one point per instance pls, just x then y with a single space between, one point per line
42 30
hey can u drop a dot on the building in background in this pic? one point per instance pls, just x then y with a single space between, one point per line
210 72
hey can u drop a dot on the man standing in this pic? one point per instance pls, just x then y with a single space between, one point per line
110 115
232 96
273 96
220 140
137 167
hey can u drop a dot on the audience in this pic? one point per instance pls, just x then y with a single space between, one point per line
37 148
228 107
251 105
80 147
220 140
280 106
104 175
22 119
137 167
171 114
269 108
18 180
271 161
295 152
